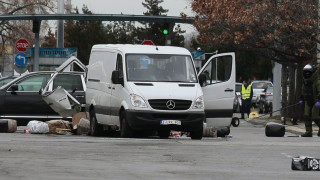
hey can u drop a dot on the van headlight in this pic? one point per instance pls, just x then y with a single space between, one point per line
198 104
138 101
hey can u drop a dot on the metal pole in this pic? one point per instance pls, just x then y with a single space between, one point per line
36 52
60 41
277 87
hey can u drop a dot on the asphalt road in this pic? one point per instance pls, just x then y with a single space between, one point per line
249 154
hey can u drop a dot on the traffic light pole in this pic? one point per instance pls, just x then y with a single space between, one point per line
36 29
168 36
36 52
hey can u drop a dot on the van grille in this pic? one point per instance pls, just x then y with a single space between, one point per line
164 104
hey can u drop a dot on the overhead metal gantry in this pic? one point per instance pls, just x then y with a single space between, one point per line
94 17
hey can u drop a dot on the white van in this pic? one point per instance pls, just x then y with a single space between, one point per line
141 88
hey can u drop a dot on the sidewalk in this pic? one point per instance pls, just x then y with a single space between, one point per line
295 129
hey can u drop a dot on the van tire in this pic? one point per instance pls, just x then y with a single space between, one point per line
95 128
164 134
197 134
125 130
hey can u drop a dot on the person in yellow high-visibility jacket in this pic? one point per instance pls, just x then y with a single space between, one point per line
246 97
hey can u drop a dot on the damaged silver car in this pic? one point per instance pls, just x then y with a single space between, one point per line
62 99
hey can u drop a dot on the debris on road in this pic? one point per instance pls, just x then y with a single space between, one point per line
305 163
8 126
175 133
61 124
76 118
209 131
275 129
37 127
82 127
63 131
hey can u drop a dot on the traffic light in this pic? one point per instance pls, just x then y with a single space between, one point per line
165 29
36 26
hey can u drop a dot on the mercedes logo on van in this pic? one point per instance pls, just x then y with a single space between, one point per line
170 104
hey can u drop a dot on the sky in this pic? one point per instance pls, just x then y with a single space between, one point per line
135 7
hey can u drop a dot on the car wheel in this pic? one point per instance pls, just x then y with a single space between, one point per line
164 134
197 134
235 122
95 128
125 130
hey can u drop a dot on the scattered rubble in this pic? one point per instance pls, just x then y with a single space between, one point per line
8 126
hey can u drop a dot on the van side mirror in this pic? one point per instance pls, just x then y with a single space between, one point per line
13 88
202 80
117 77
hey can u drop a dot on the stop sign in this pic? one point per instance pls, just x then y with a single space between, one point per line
21 45
147 42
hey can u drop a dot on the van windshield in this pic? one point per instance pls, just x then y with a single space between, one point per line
160 68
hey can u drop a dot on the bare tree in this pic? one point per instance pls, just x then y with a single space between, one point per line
11 31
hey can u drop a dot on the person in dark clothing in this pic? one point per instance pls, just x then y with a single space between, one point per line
311 98
246 97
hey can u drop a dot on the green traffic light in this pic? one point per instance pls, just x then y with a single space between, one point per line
165 31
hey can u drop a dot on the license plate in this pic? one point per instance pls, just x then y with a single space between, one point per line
168 122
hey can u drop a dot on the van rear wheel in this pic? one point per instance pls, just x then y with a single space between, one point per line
95 128
125 130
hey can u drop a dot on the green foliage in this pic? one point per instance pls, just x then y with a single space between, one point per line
84 34
154 30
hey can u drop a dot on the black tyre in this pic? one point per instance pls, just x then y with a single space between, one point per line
164 134
125 130
95 128
197 135
235 122
222 132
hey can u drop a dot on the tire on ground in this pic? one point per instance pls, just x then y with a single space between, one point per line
95 128
197 134
164 134
125 130
235 122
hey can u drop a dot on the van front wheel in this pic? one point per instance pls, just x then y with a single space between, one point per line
164 134
125 130
95 128
197 134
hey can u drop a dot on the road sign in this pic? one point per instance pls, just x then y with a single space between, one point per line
21 45
147 42
21 59
53 52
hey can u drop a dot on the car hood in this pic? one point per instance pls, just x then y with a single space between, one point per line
166 90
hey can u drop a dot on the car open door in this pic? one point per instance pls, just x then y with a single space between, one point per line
218 86
59 99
